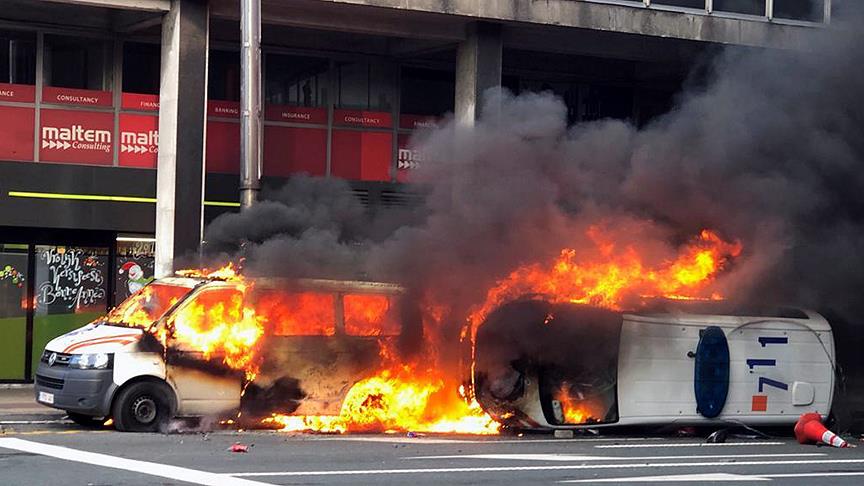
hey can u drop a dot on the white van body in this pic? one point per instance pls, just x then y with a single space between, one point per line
88 372
779 368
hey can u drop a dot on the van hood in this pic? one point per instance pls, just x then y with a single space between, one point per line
94 338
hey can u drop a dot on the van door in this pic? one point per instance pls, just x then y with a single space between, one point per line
203 383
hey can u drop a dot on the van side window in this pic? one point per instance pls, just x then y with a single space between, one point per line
297 313
370 315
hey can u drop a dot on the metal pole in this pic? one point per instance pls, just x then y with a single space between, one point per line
250 102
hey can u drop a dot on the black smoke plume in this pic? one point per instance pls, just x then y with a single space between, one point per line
767 150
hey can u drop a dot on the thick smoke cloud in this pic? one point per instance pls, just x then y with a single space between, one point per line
768 150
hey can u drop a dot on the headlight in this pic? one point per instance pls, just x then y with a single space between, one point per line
91 361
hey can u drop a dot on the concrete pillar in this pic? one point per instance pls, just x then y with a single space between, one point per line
478 68
182 133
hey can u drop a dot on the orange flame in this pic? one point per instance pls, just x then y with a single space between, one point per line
617 275
398 401
217 323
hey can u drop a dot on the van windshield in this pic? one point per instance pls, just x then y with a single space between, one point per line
147 306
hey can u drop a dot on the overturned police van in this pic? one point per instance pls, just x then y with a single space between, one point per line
541 365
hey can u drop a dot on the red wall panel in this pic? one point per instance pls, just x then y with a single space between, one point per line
139 140
223 147
22 93
292 150
80 97
361 155
139 102
77 137
16 125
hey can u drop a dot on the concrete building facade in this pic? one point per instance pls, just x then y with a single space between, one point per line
120 119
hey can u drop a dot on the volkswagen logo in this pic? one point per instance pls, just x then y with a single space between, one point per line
52 359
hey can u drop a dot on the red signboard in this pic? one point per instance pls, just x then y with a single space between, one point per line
224 109
360 118
81 97
408 159
77 137
412 122
22 93
139 102
361 156
139 140
223 147
289 150
16 125
296 114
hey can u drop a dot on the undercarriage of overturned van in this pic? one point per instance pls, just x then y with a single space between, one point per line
541 365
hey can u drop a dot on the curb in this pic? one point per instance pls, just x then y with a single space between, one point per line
15 386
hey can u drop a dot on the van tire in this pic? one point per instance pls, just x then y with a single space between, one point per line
87 421
145 406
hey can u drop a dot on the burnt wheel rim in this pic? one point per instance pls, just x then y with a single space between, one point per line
144 409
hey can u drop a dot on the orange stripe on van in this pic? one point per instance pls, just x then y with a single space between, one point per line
103 338
109 341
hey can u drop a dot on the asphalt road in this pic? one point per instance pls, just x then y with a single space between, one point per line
52 454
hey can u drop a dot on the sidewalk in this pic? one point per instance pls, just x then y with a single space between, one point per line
18 403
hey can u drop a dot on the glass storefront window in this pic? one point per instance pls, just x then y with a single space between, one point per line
807 10
134 265
71 289
700 4
73 62
13 311
365 85
17 57
223 81
141 68
296 80
749 7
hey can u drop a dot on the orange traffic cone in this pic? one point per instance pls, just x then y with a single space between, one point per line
809 430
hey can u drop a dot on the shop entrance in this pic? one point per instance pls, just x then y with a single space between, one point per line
48 289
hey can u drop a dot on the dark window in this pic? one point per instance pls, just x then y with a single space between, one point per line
17 57
607 102
365 85
427 92
700 4
809 10
749 7
296 80
224 76
141 67
72 62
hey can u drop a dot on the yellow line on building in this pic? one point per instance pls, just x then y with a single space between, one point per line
103 197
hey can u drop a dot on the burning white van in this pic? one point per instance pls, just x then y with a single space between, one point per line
540 365
184 346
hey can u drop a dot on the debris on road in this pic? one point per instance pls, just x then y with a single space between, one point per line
718 437
239 448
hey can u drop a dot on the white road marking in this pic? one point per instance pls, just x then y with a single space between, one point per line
814 475
575 457
686 444
712 477
33 422
150 468
677 479
639 465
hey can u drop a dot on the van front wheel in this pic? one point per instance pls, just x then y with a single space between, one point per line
142 407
